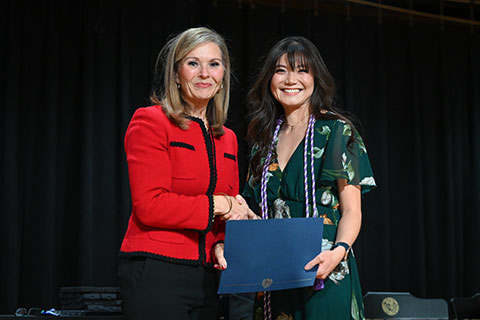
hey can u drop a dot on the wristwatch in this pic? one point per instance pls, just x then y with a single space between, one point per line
342 244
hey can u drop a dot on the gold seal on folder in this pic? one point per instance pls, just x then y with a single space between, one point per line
267 282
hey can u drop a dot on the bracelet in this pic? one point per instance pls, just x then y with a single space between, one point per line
230 204
229 199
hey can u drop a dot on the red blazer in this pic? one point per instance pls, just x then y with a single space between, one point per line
174 174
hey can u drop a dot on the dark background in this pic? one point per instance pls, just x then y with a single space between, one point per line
73 73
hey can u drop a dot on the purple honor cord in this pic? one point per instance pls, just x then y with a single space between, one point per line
266 164
318 284
263 191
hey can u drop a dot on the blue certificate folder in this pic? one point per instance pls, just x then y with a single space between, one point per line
266 255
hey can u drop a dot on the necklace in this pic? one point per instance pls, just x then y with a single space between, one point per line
292 126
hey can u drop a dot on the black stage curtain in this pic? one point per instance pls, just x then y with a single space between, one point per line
73 72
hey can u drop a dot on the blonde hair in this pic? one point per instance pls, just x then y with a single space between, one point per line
168 95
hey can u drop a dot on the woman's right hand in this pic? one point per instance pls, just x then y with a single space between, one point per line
232 208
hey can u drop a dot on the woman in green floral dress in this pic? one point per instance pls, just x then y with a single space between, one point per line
293 124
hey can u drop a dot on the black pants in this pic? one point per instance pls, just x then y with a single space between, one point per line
155 289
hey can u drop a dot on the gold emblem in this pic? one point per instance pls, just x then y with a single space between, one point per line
267 282
390 306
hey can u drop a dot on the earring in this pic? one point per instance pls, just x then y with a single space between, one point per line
178 85
221 87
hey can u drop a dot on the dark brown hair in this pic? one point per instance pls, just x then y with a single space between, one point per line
264 109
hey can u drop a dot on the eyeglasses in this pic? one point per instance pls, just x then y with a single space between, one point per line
32 312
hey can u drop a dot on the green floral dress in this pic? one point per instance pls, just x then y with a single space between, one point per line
341 297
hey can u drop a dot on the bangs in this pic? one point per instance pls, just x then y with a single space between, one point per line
297 57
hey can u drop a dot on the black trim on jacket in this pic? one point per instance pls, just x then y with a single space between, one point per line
210 146
182 145
230 156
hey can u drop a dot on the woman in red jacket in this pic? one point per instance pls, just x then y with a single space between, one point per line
183 172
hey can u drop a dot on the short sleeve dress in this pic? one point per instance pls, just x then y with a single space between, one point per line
334 158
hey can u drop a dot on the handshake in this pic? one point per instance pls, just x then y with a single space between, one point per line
232 208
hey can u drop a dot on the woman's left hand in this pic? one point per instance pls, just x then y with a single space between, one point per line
251 215
326 261
221 262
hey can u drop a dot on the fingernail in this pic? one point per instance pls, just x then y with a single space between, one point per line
224 267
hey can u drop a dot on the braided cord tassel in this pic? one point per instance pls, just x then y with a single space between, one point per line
267 310
311 123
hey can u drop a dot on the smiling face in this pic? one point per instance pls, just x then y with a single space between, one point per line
291 87
200 74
